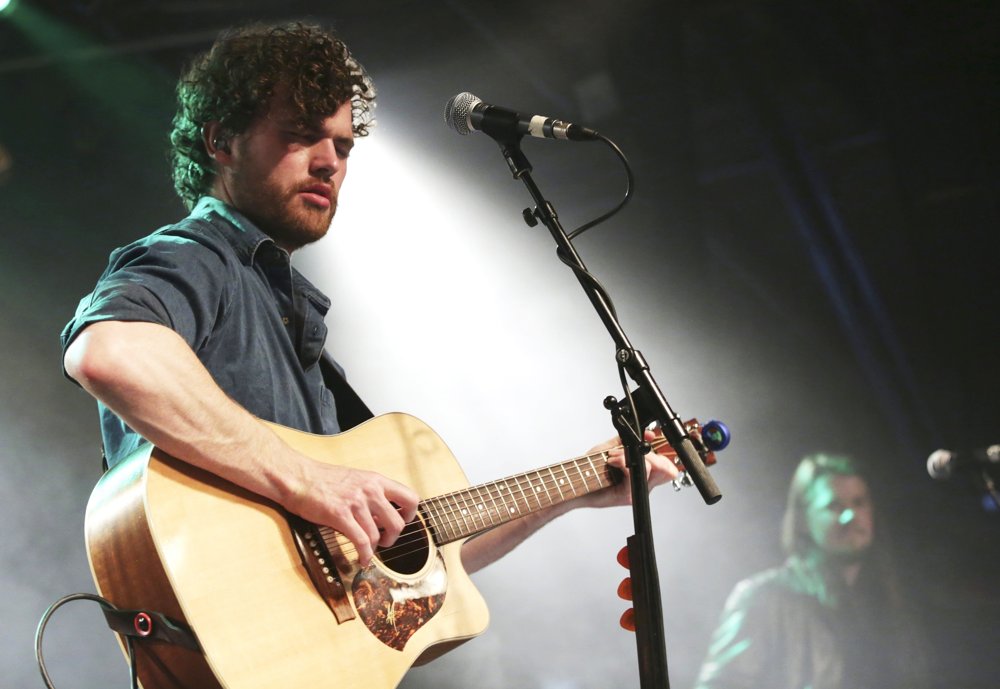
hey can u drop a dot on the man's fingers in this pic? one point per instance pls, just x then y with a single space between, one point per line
404 498
391 524
356 535
366 520
383 516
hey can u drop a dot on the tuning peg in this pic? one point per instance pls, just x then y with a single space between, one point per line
681 482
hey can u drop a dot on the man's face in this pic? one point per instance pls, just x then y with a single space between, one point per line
286 178
839 515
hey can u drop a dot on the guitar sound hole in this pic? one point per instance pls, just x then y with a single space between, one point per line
409 553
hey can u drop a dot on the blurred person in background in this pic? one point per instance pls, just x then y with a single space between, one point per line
830 617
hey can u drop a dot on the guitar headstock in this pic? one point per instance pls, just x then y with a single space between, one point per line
707 439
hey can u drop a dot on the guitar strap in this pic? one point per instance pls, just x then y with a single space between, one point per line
351 409
154 626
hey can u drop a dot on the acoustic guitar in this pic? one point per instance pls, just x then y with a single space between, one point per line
277 602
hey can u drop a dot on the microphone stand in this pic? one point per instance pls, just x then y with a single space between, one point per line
648 404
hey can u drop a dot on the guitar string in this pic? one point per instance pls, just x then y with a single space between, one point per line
472 497
347 548
463 499
455 504
536 481
403 548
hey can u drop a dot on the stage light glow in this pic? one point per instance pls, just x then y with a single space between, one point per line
126 86
431 272
6 7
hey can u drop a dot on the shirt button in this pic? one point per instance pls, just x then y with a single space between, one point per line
284 319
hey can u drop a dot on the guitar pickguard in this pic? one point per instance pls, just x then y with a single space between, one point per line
394 610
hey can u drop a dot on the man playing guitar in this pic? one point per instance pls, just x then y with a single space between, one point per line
200 330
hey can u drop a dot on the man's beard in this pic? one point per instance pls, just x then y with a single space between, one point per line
282 215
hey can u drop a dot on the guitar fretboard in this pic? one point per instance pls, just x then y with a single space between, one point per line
479 508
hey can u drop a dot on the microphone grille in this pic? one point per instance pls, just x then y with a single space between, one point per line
457 111
939 464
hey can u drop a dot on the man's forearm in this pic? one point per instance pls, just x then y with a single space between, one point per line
149 377
490 546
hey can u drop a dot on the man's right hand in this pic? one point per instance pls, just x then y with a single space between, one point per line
369 509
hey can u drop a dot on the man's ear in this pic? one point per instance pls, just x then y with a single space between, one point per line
216 141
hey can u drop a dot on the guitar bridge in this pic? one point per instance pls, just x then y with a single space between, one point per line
319 563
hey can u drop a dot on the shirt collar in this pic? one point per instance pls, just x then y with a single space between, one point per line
247 240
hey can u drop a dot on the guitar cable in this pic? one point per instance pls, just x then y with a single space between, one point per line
107 606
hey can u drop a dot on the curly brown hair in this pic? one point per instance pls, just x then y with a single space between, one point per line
234 81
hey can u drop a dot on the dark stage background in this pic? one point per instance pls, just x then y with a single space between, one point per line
810 255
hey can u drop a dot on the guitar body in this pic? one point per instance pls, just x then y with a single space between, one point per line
164 536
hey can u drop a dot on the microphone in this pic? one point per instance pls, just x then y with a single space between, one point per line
943 463
467 113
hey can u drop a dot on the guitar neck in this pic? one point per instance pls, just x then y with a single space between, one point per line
470 511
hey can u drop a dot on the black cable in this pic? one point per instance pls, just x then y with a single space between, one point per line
630 183
636 422
582 273
585 275
40 633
